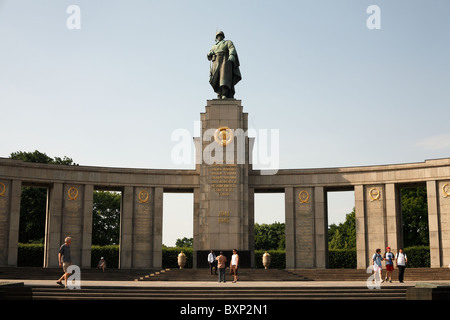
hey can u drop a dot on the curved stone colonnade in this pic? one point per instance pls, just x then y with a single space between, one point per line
70 200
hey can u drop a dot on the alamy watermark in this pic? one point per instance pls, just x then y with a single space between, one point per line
228 146
73 21
373 22
74 280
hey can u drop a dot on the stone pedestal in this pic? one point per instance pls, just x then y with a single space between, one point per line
222 220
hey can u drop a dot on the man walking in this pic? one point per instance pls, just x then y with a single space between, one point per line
401 260
389 258
64 260
221 265
377 258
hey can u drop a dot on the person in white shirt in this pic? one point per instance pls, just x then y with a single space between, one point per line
401 260
234 265
212 262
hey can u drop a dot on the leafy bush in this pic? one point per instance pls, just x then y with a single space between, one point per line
418 257
30 255
342 259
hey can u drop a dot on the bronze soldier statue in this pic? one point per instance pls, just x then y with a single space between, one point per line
224 73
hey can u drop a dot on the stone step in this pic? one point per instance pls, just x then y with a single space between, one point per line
201 293
205 275
411 274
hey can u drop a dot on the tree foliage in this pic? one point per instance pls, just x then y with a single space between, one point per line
343 236
106 218
415 216
185 243
270 236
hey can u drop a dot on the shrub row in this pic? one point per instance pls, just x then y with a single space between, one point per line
170 257
342 259
31 255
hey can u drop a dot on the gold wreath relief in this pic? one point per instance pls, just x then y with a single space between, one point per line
303 196
446 190
143 196
223 136
2 189
374 194
72 193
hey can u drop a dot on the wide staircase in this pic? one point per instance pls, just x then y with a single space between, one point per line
251 291
411 274
235 293
205 275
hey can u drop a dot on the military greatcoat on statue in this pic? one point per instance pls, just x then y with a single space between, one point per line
224 72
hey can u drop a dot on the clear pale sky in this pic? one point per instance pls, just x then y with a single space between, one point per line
113 92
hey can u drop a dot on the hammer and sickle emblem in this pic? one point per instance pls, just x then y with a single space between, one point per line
2 189
303 196
446 190
72 193
224 136
374 194
143 196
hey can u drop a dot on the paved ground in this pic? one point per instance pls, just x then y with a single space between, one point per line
178 284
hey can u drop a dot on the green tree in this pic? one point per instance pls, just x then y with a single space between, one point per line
106 218
343 236
39 157
270 236
185 242
415 216
33 201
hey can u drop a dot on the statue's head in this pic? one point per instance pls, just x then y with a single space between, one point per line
218 34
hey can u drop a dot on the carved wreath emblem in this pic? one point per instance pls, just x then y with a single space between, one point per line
303 196
223 136
143 196
72 193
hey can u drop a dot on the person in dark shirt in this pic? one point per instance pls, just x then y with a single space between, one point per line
64 260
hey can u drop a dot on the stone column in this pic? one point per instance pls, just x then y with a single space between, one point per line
141 228
304 210
196 227
53 226
126 229
158 228
5 204
10 191
444 222
360 220
438 198
251 225
321 228
289 207
301 217
375 225
393 218
143 225
16 190
86 241
73 221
